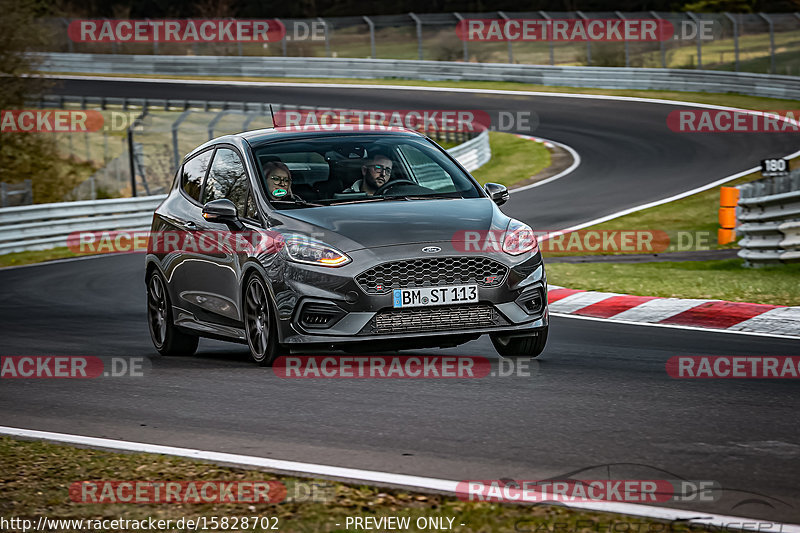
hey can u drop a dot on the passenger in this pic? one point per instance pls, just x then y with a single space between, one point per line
279 180
376 172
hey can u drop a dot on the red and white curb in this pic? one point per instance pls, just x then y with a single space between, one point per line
712 314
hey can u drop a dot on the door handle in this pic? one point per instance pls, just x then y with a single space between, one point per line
191 226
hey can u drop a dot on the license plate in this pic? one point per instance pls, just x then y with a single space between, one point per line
428 296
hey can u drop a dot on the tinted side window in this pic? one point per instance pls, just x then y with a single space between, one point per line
193 173
228 179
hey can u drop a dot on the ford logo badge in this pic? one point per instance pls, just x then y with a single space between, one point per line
431 249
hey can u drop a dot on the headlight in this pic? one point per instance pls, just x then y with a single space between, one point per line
311 252
519 239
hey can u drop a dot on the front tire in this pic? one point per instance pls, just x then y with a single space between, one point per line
259 323
528 346
167 338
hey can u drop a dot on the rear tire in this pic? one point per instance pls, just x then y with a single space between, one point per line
167 338
259 323
528 346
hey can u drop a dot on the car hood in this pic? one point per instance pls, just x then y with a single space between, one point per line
369 225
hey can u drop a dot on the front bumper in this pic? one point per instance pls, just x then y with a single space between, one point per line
359 316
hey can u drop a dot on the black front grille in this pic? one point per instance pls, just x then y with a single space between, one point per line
432 271
444 318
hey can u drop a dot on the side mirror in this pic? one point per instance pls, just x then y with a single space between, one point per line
222 211
498 193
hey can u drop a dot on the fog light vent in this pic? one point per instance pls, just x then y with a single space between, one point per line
320 315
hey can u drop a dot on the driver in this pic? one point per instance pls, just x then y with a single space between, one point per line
375 173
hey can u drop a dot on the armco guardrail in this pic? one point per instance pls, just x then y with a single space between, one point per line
43 226
769 217
763 85
473 153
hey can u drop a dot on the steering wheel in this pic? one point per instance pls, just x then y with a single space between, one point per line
389 184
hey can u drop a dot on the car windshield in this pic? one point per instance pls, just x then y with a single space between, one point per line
336 170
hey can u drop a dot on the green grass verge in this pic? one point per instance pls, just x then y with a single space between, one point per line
513 159
36 477
35 256
727 99
723 280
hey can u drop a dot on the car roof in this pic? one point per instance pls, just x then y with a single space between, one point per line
267 135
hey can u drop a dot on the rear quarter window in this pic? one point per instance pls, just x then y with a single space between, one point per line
193 172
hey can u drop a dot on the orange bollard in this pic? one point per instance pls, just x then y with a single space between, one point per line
728 198
727 217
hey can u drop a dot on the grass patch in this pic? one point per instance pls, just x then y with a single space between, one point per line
36 477
36 256
513 159
724 280
727 99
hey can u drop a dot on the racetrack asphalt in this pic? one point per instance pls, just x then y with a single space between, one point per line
598 400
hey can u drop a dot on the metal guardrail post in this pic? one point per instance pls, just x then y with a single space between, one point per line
552 51
510 47
418 22
696 20
771 42
463 41
735 38
627 50
588 41
327 37
373 54
176 156
661 47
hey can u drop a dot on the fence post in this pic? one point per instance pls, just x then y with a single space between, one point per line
771 42
463 41
371 25
175 153
327 37
588 41
214 121
3 194
283 41
510 48
549 34
735 38
627 50
70 46
661 43
418 22
696 20
130 161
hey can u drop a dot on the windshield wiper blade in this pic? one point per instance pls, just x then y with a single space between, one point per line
296 201
358 200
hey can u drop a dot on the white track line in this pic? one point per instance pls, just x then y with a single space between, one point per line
576 161
396 480
678 326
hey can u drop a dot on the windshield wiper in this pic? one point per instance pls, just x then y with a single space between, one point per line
296 201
